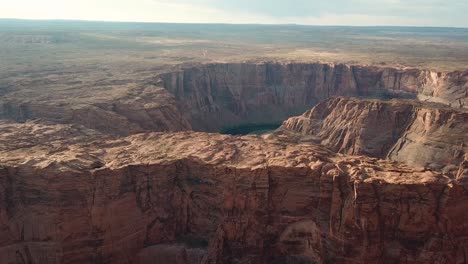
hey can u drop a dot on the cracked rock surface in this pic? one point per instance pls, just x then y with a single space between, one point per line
208 97
420 134
69 194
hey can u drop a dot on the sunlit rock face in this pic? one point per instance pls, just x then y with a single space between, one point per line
73 195
419 134
212 97
119 176
218 95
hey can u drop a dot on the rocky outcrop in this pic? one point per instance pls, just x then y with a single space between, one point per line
72 195
141 108
76 188
463 170
217 95
420 134
211 97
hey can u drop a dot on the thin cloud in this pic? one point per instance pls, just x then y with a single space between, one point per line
331 12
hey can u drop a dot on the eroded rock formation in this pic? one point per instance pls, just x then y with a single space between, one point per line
134 110
215 95
72 195
212 96
81 185
420 134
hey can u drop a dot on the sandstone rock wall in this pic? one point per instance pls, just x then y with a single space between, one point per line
204 198
216 95
418 134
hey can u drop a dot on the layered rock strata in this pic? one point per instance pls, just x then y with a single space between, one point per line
420 134
137 109
216 95
72 195
213 96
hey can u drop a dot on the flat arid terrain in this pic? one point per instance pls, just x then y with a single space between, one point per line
220 143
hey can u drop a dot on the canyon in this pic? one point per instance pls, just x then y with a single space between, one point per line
210 97
369 166
73 195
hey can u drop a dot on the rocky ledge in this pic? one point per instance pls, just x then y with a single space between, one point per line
72 195
418 133
209 97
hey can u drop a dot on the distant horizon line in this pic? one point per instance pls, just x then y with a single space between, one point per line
219 23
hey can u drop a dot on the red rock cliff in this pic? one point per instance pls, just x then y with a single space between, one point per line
212 96
420 134
216 95
72 195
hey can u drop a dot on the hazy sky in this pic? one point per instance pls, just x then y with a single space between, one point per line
314 12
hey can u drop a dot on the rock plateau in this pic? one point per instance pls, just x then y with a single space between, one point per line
208 97
111 171
73 195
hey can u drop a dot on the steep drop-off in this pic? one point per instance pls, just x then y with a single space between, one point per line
211 97
419 134
217 95
73 192
71 195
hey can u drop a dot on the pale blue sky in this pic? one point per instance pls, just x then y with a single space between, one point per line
452 13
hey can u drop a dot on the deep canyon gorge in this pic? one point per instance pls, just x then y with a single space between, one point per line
369 166
210 97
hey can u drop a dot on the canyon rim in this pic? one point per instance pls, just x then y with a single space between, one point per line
112 147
